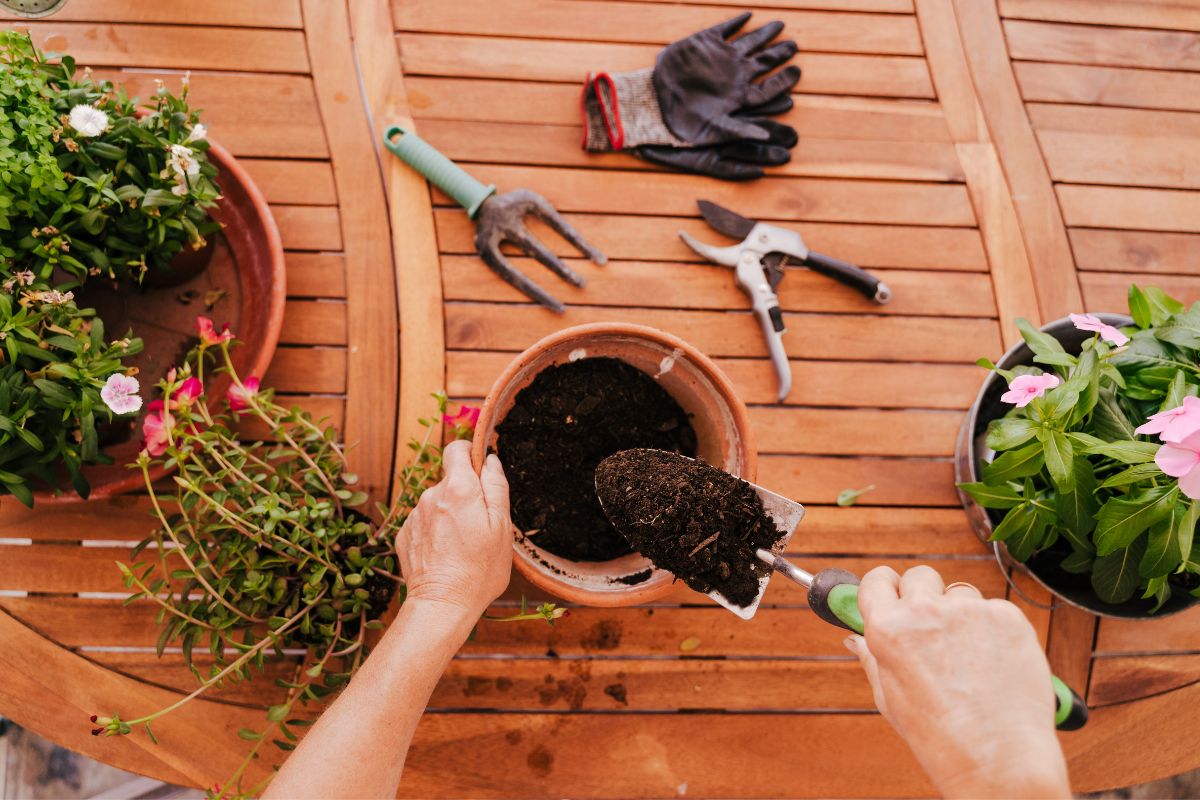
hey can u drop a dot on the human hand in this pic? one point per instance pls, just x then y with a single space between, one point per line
455 548
964 681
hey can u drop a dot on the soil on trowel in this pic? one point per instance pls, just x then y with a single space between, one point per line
692 519
564 423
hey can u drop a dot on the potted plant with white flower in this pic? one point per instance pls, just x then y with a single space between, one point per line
1080 459
102 199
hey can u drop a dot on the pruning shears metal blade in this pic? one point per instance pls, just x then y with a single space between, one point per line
725 221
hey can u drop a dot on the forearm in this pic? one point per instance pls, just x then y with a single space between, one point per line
1025 767
372 723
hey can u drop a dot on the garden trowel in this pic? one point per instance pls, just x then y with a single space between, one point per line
833 593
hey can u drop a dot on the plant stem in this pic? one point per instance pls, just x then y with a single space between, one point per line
262 643
183 552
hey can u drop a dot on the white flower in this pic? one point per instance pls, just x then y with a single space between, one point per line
88 120
198 132
120 393
182 161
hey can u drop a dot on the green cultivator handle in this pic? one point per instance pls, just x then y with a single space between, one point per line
833 595
439 170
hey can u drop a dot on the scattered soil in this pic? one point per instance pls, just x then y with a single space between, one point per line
564 423
634 579
692 519
617 692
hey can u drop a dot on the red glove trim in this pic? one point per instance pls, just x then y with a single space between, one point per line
616 133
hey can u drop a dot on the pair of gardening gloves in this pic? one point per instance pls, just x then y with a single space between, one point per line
700 108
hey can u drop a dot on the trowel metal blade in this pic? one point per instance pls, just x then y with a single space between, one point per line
787 515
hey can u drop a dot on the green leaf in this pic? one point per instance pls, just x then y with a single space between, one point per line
1115 575
1040 343
1014 464
1185 530
1085 439
1162 553
20 491
1138 472
1127 452
1162 305
150 733
1121 520
1077 508
1108 420
1159 589
276 713
1022 531
1059 457
1010 432
990 496
1181 329
249 735
1078 563
1176 392
1139 307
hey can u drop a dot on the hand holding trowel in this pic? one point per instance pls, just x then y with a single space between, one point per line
499 218
724 537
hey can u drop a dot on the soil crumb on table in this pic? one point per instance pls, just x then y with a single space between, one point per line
692 519
564 423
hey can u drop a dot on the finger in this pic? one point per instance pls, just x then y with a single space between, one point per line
772 108
720 130
549 215
858 646
456 460
964 590
779 83
879 587
922 581
495 493
756 153
729 27
773 56
491 255
757 38
538 251
701 160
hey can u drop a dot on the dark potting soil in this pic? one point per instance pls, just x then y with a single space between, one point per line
568 419
692 519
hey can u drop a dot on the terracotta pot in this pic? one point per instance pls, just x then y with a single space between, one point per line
972 452
717 414
247 279
185 266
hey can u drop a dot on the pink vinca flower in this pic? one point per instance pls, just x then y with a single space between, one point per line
1090 322
208 332
1182 460
239 397
1024 388
467 417
1174 424
120 393
154 429
188 391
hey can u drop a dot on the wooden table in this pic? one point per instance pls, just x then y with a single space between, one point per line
1026 158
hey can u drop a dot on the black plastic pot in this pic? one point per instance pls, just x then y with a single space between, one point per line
972 452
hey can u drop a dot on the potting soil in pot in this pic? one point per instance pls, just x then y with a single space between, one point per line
568 419
690 518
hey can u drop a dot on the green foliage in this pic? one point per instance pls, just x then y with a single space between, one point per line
54 359
126 199
1072 474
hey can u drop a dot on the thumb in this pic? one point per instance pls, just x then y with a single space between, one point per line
495 494
858 646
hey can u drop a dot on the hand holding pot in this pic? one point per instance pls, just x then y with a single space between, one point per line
456 546
964 681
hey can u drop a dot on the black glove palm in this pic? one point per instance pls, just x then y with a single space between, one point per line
704 80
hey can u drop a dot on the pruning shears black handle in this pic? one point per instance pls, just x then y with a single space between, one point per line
855 277
833 596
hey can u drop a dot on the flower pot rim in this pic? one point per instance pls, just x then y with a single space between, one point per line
966 462
272 312
660 581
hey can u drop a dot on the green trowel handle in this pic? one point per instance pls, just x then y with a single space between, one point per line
834 596
439 170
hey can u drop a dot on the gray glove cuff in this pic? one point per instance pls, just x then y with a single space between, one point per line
629 110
